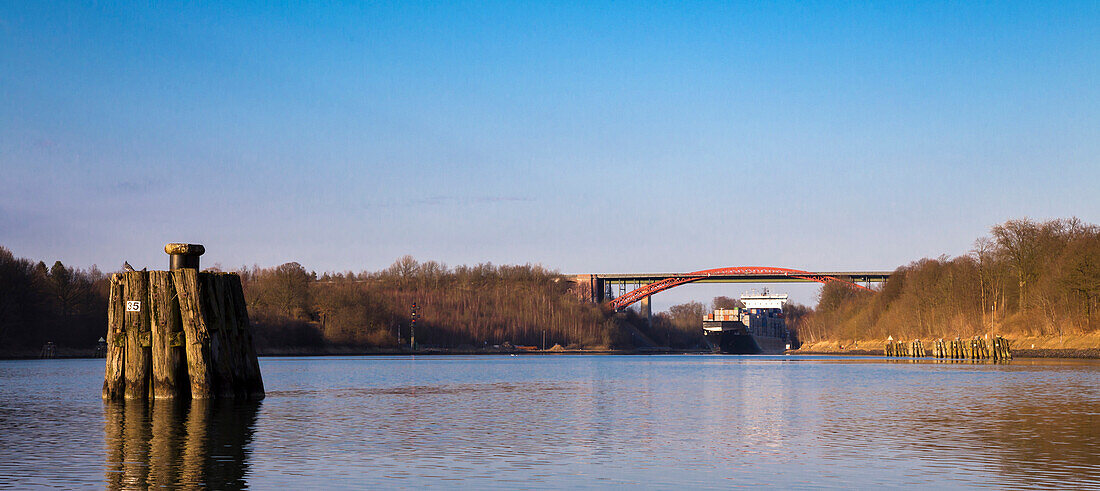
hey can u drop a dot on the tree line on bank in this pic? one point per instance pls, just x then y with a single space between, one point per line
293 309
1026 278
462 307
56 303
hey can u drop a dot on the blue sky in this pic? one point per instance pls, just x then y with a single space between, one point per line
612 137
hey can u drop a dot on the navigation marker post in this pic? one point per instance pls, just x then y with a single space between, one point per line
412 328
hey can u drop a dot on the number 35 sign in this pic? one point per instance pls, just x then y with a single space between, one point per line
133 306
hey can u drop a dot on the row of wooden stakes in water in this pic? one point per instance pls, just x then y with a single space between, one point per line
996 348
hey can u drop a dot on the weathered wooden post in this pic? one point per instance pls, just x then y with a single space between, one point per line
179 333
136 326
1001 349
114 377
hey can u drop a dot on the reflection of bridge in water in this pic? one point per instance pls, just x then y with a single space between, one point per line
638 287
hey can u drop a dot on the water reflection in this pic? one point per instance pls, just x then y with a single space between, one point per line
569 421
1026 427
178 443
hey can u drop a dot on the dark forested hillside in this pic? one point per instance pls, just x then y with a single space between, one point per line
38 304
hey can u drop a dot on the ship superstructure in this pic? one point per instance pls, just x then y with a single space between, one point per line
758 327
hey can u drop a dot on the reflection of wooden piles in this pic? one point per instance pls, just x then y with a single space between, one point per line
135 447
164 445
996 348
179 333
199 443
113 439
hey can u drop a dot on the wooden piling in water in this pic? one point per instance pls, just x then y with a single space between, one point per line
1001 349
994 348
114 377
138 359
169 371
179 333
196 335
254 382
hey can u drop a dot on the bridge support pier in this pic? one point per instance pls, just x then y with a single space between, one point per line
646 310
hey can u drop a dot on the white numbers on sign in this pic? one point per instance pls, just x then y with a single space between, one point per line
133 306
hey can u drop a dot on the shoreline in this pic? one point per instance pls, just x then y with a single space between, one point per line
1077 346
90 354
1024 353
1068 346
1021 354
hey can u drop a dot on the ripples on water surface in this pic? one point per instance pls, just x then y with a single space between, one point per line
568 421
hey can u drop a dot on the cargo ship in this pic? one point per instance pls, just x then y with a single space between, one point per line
758 328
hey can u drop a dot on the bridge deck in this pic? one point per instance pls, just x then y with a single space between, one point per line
861 276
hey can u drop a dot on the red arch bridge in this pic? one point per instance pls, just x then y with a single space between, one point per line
638 287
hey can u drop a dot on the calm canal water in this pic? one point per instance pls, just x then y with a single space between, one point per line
568 421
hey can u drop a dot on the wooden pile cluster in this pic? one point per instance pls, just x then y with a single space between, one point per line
893 348
976 348
179 333
178 444
917 348
896 348
1002 351
997 349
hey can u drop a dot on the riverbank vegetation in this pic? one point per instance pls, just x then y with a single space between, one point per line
467 307
56 303
298 311
1026 278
